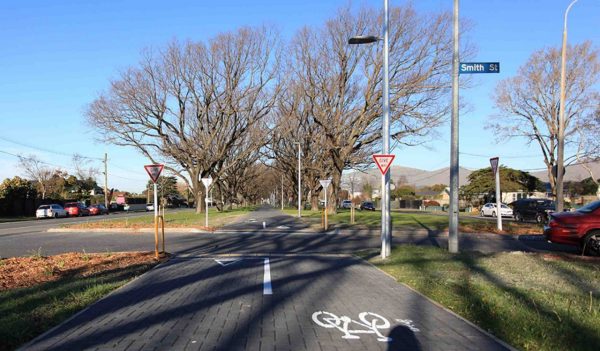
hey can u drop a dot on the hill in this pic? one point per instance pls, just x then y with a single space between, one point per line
573 172
413 176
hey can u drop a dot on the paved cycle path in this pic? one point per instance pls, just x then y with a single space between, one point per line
287 302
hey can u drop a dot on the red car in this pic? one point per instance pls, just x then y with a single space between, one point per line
579 228
98 209
76 209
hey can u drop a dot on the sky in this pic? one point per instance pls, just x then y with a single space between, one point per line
57 56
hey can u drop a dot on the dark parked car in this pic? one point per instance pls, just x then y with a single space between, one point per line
98 209
367 205
532 209
579 228
76 209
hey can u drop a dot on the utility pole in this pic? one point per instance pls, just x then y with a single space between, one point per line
453 210
106 180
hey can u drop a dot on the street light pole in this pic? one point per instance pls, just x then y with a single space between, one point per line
453 210
386 224
561 118
386 233
299 183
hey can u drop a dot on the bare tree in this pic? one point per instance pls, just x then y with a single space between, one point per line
83 170
340 84
192 106
529 102
588 149
37 170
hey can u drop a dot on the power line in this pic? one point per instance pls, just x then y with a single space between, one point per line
510 157
63 167
48 150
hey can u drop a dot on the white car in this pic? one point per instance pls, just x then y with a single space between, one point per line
51 211
489 209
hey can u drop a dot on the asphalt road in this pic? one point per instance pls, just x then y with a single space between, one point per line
281 234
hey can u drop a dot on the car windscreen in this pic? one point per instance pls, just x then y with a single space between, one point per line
591 207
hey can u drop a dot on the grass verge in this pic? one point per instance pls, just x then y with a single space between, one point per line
372 219
181 219
38 293
533 301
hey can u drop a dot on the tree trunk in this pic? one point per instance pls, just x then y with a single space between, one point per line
199 198
314 200
336 179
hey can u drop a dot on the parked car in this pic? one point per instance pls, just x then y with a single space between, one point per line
579 228
76 209
532 209
346 204
490 209
98 209
367 205
51 211
149 207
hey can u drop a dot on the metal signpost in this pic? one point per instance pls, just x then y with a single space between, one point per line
384 161
207 183
325 184
154 172
457 69
496 172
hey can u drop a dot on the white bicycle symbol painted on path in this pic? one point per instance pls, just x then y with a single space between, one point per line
369 323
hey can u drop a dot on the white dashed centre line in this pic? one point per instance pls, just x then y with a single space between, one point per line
267 289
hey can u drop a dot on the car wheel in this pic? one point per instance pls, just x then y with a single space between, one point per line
518 217
494 214
482 214
539 218
56 215
591 243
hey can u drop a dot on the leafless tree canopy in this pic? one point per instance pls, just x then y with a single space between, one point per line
196 107
529 103
334 90
36 170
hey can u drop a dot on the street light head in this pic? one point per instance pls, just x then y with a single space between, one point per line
363 39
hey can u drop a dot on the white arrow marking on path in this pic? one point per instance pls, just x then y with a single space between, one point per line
227 261
267 289
283 227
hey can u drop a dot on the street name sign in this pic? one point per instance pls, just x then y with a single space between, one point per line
479 67
154 171
494 163
384 162
325 183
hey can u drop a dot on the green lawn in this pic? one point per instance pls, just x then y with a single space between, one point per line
416 220
532 301
172 219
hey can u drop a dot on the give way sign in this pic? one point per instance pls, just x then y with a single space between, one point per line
383 162
154 171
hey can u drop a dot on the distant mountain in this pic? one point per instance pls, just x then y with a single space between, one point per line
421 178
414 176
573 172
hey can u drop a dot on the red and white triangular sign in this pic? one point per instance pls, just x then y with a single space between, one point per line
494 163
384 162
154 171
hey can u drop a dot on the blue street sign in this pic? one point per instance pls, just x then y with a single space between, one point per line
479 67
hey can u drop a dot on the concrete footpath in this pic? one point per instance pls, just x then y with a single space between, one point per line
276 302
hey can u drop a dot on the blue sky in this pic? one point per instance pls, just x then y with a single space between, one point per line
58 55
